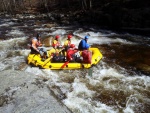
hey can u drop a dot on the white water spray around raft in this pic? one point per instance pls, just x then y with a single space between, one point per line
110 88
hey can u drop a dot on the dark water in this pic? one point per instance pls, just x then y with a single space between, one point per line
133 57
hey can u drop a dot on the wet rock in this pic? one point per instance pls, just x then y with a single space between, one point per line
66 22
2 100
50 25
144 67
48 41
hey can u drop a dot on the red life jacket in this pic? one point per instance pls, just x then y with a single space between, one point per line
70 53
87 56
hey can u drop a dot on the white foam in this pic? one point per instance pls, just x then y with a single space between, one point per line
42 29
133 104
79 97
3 66
15 33
81 105
81 89
58 32
34 70
25 52
100 38
7 24
11 42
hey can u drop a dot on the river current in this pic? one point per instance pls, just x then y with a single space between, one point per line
119 83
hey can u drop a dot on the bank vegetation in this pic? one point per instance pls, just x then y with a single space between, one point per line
110 13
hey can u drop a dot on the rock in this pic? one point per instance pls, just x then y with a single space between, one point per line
48 41
50 25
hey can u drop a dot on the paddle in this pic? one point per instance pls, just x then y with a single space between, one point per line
29 61
67 61
46 61
64 64
90 71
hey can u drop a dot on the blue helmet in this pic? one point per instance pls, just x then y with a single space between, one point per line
86 37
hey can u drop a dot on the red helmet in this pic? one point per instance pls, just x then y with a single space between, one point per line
57 36
69 36
72 46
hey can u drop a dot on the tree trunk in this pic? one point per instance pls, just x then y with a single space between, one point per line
14 2
84 5
90 4
68 4
4 5
30 4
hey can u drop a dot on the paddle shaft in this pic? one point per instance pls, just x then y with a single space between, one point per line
64 64
46 61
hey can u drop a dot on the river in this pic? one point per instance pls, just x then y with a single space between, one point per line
120 83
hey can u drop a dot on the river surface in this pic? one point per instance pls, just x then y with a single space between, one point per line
119 83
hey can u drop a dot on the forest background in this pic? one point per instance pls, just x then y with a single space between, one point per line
129 15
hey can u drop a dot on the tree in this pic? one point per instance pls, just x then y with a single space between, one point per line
86 4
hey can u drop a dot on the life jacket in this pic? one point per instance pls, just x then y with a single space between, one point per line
67 44
55 43
71 54
83 45
87 56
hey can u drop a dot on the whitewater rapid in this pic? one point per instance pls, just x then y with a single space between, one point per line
111 88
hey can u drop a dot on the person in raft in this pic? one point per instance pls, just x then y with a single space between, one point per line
56 43
83 45
66 45
71 53
56 52
36 47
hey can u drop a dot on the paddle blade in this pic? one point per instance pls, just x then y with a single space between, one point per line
64 64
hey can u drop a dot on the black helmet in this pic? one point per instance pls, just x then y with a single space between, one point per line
38 35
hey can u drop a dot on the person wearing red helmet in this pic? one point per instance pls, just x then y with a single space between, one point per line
66 45
67 42
72 46
56 42
71 53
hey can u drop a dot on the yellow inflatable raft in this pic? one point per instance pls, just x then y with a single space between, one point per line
35 60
